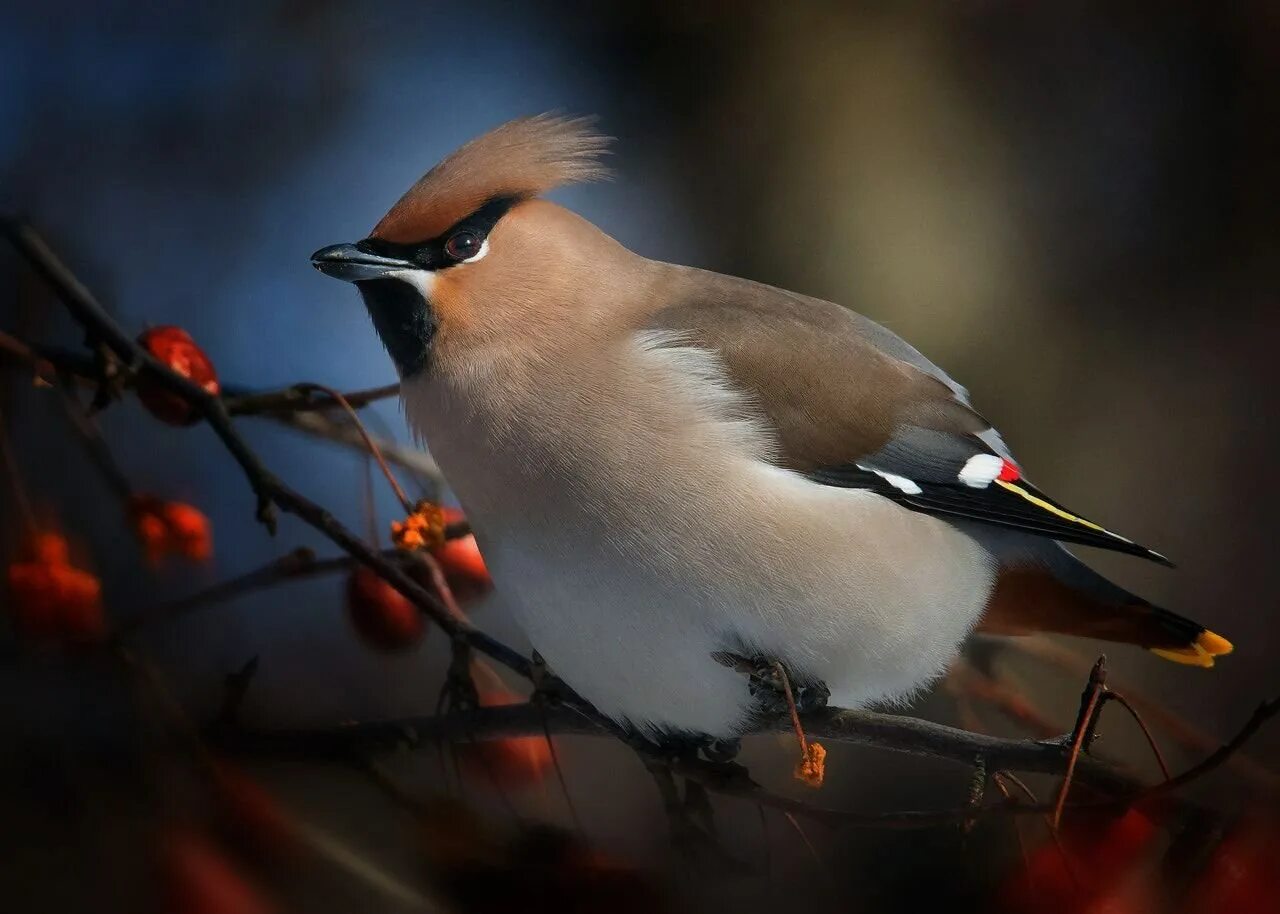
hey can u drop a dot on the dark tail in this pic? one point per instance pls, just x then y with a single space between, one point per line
1061 594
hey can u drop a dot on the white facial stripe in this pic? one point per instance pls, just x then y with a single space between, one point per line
422 280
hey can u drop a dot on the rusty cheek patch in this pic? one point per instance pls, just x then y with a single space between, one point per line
450 302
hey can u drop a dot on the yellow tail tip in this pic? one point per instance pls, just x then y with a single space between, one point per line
1214 643
1201 653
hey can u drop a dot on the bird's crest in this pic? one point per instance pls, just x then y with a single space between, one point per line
521 158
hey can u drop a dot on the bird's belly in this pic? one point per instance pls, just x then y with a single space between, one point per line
843 586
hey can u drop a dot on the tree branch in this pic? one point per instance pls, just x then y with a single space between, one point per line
270 490
908 735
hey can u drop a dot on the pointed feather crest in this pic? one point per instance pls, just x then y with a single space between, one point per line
521 158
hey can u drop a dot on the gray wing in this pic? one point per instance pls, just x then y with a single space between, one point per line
855 406
893 345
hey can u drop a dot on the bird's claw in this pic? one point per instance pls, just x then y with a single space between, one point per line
767 688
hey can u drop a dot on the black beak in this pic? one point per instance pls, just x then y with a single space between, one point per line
349 262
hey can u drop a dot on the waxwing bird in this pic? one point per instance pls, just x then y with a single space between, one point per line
665 466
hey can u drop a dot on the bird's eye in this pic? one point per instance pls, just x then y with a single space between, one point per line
463 246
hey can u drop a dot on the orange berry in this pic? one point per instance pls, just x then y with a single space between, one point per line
422 529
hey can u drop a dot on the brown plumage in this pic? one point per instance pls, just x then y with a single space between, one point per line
830 394
522 158
662 462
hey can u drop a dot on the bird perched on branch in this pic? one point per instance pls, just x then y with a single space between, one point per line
667 466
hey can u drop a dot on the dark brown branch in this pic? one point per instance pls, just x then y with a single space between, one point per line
884 731
901 734
895 733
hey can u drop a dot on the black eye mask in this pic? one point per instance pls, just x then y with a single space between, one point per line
401 314
456 245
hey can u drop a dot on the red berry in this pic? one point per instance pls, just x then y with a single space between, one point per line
463 566
1109 848
382 617
52 600
514 761
174 348
171 528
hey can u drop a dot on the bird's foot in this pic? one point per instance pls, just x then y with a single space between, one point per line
548 688
768 681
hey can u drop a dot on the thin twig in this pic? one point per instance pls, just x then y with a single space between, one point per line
1260 716
1186 734
321 425
305 415
560 778
998 780
298 398
42 364
1089 704
1112 695
1054 834
341 399
296 564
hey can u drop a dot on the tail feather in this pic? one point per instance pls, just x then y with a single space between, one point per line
1200 652
1063 595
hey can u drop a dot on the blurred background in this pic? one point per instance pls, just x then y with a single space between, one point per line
1071 210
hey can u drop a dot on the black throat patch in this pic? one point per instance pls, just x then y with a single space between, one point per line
400 314
404 321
